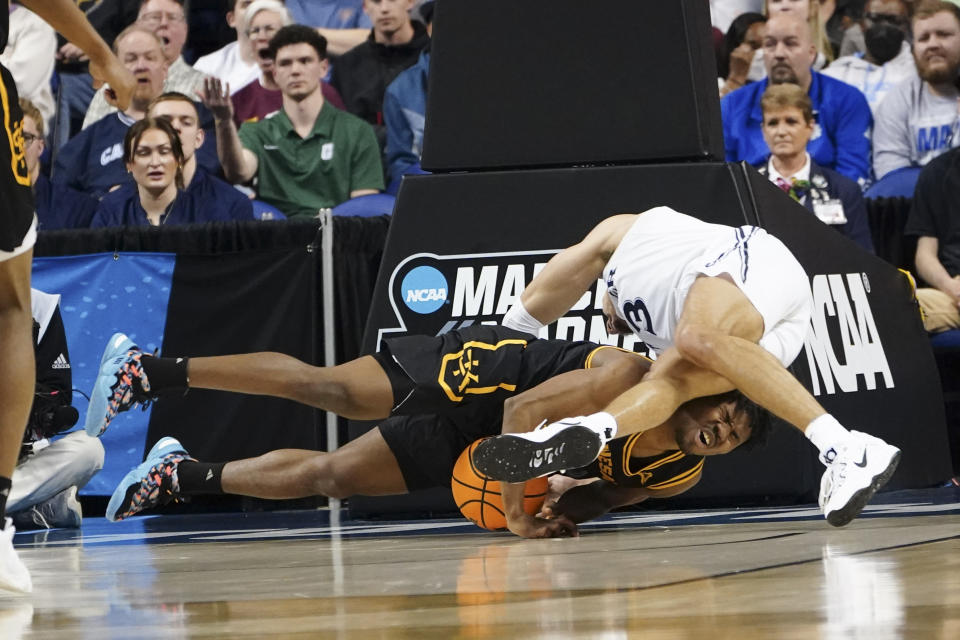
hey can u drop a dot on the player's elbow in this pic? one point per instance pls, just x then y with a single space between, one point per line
696 344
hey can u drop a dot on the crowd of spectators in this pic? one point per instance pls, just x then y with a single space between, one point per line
315 102
884 113
288 117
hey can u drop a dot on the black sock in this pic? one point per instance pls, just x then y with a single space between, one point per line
165 374
199 478
5 485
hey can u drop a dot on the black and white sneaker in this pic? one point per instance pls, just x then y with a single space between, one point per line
567 444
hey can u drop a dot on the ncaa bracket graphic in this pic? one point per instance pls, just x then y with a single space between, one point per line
432 294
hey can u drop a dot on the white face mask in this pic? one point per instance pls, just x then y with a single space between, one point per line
757 69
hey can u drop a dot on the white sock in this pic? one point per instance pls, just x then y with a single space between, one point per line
603 423
519 319
826 433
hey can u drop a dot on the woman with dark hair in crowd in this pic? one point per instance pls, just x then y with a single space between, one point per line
741 54
154 157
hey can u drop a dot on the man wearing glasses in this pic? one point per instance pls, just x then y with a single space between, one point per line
167 19
888 59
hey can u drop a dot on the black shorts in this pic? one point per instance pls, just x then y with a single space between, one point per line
449 390
16 198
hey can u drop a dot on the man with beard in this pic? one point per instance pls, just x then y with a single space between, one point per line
888 60
918 119
841 138
167 19
307 156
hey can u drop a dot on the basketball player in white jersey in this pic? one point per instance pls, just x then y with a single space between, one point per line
725 308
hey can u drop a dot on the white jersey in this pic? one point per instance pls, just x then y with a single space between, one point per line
657 261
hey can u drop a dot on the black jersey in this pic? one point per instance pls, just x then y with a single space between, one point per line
617 466
449 391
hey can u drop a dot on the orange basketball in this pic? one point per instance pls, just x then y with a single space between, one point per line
478 497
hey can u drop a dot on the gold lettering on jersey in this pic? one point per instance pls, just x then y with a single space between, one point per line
18 162
461 372
605 463
467 363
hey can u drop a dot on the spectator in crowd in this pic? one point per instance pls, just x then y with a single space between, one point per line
91 161
31 47
846 27
166 19
236 62
154 157
163 191
404 111
835 199
262 19
204 198
933 218
841 134
58 207
362 74
109 18
917 120
51 468
815 13
307 156
888 60
741 53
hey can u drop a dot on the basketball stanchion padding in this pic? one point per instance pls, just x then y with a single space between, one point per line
478 497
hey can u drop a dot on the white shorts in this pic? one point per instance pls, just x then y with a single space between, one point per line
774 283
663 253
28 241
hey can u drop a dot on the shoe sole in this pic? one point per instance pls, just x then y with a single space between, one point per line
510 458
843 517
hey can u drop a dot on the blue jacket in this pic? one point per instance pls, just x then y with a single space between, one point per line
206 199
92 161
843 124
830 185
59 207
404 110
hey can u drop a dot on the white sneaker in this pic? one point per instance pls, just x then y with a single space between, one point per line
13 574
567 444
855 471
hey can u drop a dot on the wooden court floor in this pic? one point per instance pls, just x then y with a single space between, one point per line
772 573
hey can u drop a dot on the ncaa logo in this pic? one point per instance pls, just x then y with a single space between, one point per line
424 290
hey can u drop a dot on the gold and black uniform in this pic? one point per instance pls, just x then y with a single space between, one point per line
449 391
16 198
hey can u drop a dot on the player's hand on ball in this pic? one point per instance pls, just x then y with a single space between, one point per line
527 526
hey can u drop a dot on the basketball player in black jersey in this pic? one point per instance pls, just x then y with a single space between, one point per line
18 233
434 395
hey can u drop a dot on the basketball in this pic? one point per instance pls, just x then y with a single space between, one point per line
478 497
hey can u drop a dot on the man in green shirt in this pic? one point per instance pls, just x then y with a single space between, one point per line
307 156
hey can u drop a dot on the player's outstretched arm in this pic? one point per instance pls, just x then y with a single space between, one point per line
585 502
573 393
69 20
568 274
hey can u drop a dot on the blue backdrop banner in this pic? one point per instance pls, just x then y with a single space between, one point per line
100 295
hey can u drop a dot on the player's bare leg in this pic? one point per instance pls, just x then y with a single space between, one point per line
359 389
365 466
17 380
